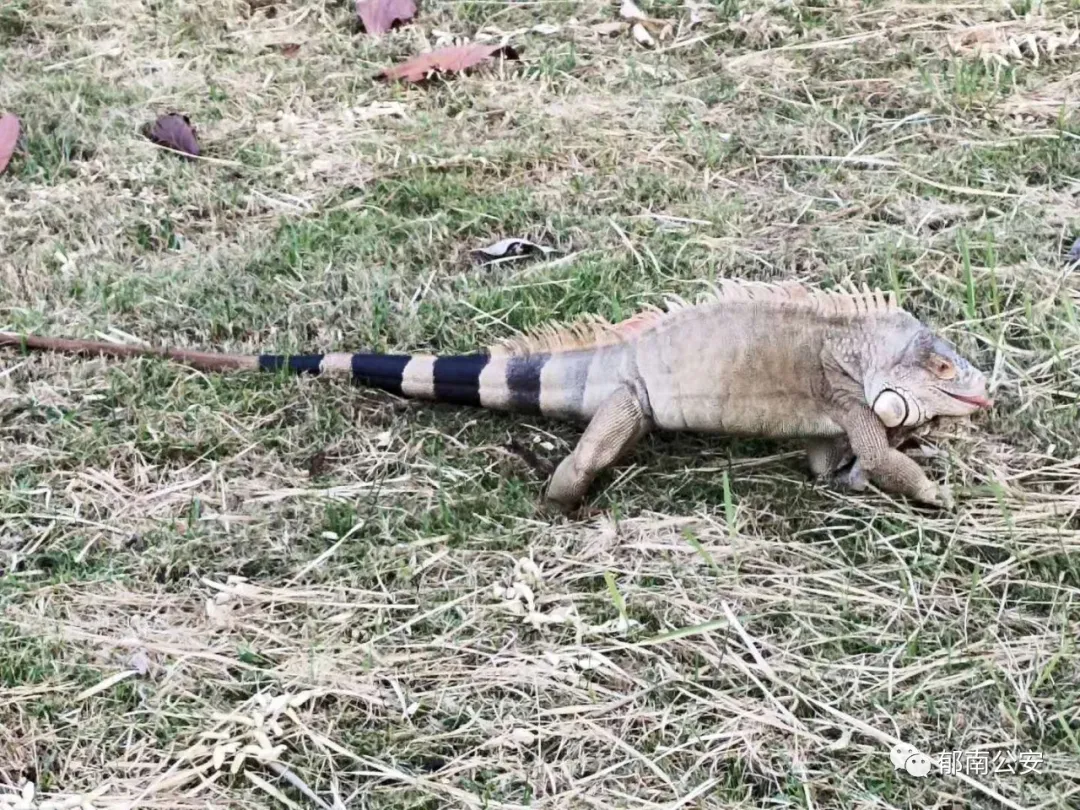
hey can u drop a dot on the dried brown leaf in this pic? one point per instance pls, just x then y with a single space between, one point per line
652 25
9 136
1074 251
628 10
175 132
455 58
697 14
608 29
512 247
317 464
140 662
642 35
379 16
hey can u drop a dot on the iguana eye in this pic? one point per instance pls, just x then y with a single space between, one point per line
942 368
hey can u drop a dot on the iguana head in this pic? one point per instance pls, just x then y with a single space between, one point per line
926 378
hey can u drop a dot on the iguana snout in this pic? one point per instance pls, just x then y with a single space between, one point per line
929 378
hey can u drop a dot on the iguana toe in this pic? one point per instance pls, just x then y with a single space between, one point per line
578 510
938 495
555 506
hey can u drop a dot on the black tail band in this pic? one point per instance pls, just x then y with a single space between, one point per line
296 364
383 371
453 379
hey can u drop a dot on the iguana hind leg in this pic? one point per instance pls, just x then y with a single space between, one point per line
828 456
615 428
832 461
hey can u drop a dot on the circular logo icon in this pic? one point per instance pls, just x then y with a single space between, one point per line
910 759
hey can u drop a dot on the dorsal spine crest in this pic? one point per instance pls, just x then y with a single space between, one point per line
594 332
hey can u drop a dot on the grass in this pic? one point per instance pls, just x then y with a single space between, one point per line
365 591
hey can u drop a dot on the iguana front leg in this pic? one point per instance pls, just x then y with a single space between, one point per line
615 428
886 466
827 457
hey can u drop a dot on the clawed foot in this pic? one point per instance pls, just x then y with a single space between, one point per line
851 477
854 478
938 495
923 451
580 510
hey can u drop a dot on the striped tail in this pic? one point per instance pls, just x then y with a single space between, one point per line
564 385
454 379
489 381
567 385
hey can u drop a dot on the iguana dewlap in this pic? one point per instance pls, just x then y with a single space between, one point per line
850 372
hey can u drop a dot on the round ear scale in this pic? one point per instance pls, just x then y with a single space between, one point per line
891 408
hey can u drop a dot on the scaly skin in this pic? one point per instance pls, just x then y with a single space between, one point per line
839 373
851 373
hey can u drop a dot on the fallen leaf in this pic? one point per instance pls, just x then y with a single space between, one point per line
697 14
317 464
175 132
1073 255
642 35
140 662
609 28
542 466
9 136
379 16
644 26
452 59
290 50
512 248
629 11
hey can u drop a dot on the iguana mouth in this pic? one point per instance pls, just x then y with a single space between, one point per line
978 402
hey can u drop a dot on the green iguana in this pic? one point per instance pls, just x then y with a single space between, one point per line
850 372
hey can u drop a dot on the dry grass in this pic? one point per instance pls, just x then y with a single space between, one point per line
365 592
